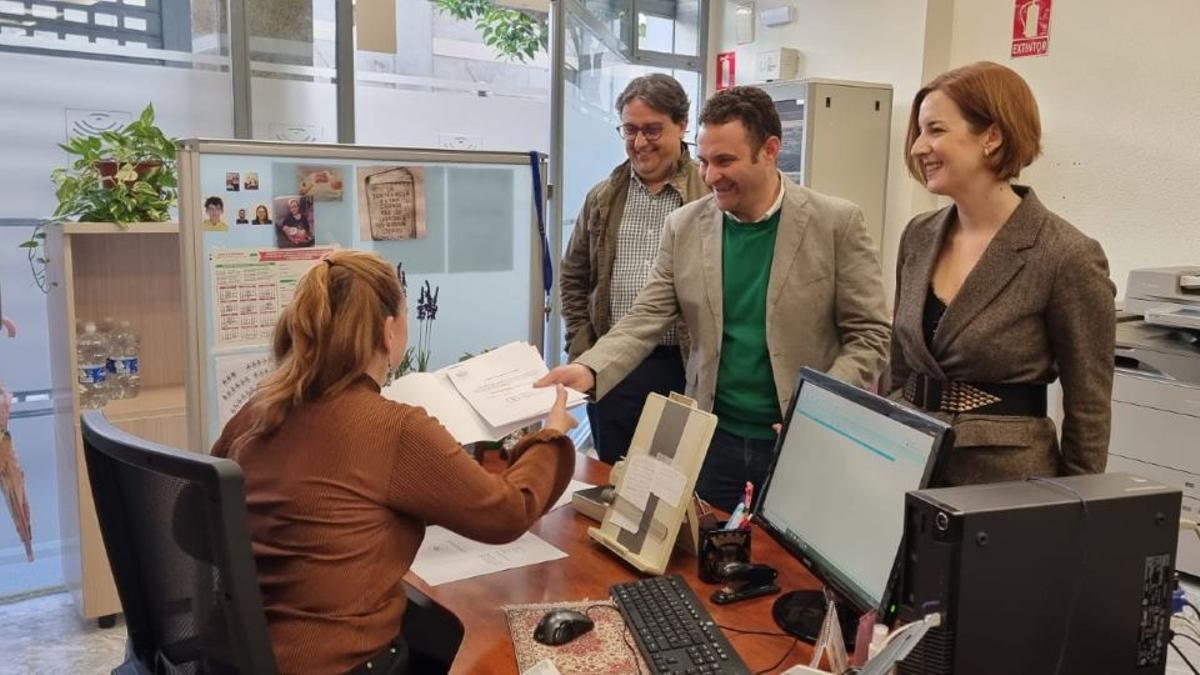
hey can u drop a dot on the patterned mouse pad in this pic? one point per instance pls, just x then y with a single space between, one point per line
607 649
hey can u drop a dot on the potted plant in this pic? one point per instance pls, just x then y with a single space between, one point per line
121 177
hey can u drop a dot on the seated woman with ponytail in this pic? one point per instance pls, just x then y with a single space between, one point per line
341 482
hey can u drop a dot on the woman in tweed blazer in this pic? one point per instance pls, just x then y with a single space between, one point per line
995 295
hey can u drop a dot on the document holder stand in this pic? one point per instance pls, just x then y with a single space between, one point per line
653 494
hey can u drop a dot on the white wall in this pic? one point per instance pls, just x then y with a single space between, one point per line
867 40
39 90
1119 93
1118 96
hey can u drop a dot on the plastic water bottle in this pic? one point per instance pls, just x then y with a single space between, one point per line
93 355
123 362
106 329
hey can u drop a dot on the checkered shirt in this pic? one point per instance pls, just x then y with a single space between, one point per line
637 245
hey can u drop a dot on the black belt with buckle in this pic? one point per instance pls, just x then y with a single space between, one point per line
1022 399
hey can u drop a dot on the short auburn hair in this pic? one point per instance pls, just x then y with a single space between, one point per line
987 93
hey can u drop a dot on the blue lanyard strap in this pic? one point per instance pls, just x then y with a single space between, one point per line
535 166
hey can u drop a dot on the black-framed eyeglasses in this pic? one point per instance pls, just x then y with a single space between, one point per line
651 132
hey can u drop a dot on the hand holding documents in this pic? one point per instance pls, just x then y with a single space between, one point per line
486 397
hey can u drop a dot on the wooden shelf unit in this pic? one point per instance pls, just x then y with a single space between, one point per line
100 270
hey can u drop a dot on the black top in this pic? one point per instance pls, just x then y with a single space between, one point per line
934 309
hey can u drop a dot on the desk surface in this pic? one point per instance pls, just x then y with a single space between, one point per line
587 572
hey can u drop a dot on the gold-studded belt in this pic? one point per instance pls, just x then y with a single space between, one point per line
1022 399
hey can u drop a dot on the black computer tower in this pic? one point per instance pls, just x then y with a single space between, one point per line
1028 574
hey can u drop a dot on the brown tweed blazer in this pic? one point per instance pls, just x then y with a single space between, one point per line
1038 305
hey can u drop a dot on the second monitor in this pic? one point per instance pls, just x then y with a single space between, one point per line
835 499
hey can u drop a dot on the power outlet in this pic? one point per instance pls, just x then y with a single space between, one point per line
452 141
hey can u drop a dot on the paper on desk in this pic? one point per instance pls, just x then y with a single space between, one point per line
499 384
572 488
445 556
543 667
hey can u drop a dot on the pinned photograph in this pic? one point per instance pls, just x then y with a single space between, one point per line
322 183
233 181
241 218
214 215
391 202
250 181
294 225
262 215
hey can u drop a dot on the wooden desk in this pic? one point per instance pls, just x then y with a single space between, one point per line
587 572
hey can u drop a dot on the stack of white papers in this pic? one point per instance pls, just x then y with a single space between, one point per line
486 397
445 556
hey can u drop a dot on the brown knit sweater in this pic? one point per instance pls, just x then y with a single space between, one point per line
338 500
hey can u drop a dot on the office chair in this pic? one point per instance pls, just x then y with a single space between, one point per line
174 527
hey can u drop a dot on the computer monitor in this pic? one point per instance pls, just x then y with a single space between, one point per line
835 497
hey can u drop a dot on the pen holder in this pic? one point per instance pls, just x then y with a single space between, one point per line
719 546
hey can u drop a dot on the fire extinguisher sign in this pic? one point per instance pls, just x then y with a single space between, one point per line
1031 28
726 75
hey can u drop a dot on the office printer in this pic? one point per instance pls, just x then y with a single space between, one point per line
1156 390
1165 296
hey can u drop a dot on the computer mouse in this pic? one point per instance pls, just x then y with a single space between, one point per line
560 626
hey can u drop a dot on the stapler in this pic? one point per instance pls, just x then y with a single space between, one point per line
744 581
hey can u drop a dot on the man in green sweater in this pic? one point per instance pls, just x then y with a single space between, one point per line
768 276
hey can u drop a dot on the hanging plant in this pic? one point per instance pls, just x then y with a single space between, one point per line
517 35
35 250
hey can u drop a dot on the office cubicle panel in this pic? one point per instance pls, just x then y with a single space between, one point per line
466 229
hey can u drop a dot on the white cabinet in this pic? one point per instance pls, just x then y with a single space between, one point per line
835 140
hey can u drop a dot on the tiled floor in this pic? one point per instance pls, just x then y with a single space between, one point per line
45 635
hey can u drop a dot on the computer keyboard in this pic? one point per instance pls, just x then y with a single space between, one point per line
673 630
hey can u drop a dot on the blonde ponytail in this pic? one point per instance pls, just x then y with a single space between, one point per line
326 337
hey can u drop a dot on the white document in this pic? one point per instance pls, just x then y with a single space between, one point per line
572 488
638 481
668 483
499 384
444 400
445 556
543 667
645 476
434 393
238 376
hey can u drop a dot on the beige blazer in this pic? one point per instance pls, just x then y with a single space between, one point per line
825 302
1038 305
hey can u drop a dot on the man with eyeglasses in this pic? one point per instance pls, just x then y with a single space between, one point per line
769 277
614 244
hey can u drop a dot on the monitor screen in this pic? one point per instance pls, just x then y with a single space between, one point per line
835 498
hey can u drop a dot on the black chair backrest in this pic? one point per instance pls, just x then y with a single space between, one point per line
174 527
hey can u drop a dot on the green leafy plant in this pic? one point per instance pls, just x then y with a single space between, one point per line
121 177
515 34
